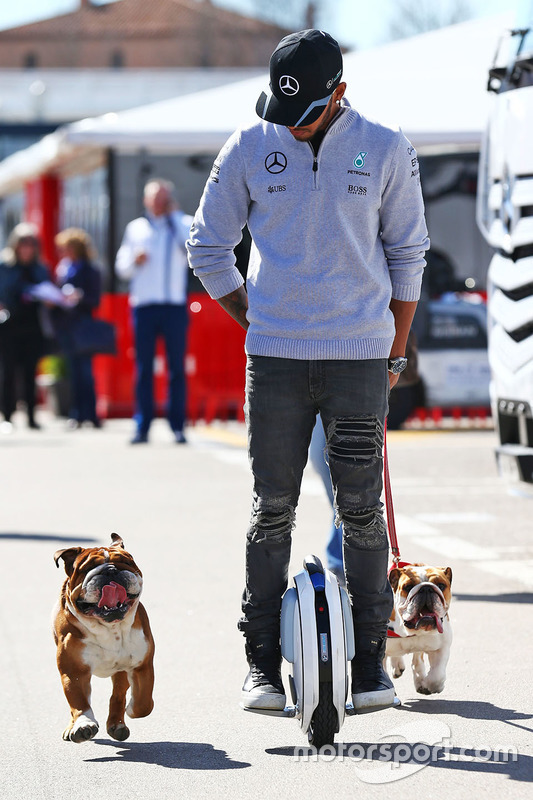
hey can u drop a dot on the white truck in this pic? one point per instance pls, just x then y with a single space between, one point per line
505 217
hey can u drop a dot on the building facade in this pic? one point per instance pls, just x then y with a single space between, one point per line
139 34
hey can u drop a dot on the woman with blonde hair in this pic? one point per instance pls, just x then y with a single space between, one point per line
80 282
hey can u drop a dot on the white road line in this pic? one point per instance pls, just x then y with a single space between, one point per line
521 571
454 547
456 518
411 526
421 480
235 457
444 490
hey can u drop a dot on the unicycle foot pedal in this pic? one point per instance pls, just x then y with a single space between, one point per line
351 711
288 711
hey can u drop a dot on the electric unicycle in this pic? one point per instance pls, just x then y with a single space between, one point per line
317 639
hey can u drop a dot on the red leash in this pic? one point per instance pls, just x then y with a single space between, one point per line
395 548
391 525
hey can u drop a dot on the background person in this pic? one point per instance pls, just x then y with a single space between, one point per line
80 281
334 207
21 337
152 256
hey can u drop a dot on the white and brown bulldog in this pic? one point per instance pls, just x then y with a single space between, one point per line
419 623
101 628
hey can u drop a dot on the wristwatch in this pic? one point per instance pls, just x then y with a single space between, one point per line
397 365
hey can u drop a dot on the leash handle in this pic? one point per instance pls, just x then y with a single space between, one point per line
391 525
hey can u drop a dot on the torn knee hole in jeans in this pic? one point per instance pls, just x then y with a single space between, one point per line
273 526
355 440
365 529
361 520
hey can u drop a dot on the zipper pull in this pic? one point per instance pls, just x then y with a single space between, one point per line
315 164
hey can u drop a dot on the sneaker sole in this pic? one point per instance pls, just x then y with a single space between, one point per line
374 701
268 701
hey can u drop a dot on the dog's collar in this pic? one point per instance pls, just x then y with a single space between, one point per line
392 633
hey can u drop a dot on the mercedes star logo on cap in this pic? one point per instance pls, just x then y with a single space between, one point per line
275 162
289 85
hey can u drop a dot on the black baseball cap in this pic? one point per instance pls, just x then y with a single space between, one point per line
305 70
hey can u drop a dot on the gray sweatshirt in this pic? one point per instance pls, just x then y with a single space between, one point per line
334 236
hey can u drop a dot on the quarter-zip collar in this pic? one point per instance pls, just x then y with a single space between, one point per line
340 122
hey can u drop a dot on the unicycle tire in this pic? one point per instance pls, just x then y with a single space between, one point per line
324 722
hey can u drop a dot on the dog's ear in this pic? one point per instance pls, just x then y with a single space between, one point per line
69 556
448 572
394 577
116 541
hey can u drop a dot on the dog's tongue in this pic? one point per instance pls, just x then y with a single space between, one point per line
112 595
435 616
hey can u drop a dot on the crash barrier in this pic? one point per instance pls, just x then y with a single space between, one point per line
453 417
214 363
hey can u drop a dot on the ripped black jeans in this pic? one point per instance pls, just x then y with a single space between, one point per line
283 397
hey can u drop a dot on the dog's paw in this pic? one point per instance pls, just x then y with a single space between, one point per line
139 708
430 687
397 673
82 730
120 731
397 667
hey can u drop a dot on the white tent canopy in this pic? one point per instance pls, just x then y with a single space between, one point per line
433 85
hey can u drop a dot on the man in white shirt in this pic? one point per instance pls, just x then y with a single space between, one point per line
152 257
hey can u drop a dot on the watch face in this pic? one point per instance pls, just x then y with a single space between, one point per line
397 365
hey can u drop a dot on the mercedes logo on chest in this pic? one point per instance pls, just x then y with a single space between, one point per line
275 162
289 85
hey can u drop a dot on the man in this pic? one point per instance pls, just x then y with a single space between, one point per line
335 210
152 255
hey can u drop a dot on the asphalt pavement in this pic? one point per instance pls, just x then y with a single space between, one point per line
182 512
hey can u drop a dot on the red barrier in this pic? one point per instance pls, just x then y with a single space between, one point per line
42 199
455 417
214 364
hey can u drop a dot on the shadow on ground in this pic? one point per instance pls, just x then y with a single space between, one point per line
514 597
47 537
173 755
467 709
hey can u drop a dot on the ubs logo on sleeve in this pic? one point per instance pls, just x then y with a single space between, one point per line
275 162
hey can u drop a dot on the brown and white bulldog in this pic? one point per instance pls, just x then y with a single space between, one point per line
101 628
419 623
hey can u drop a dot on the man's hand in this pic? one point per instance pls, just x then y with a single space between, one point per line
236 305
393 379
403 316
141 257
